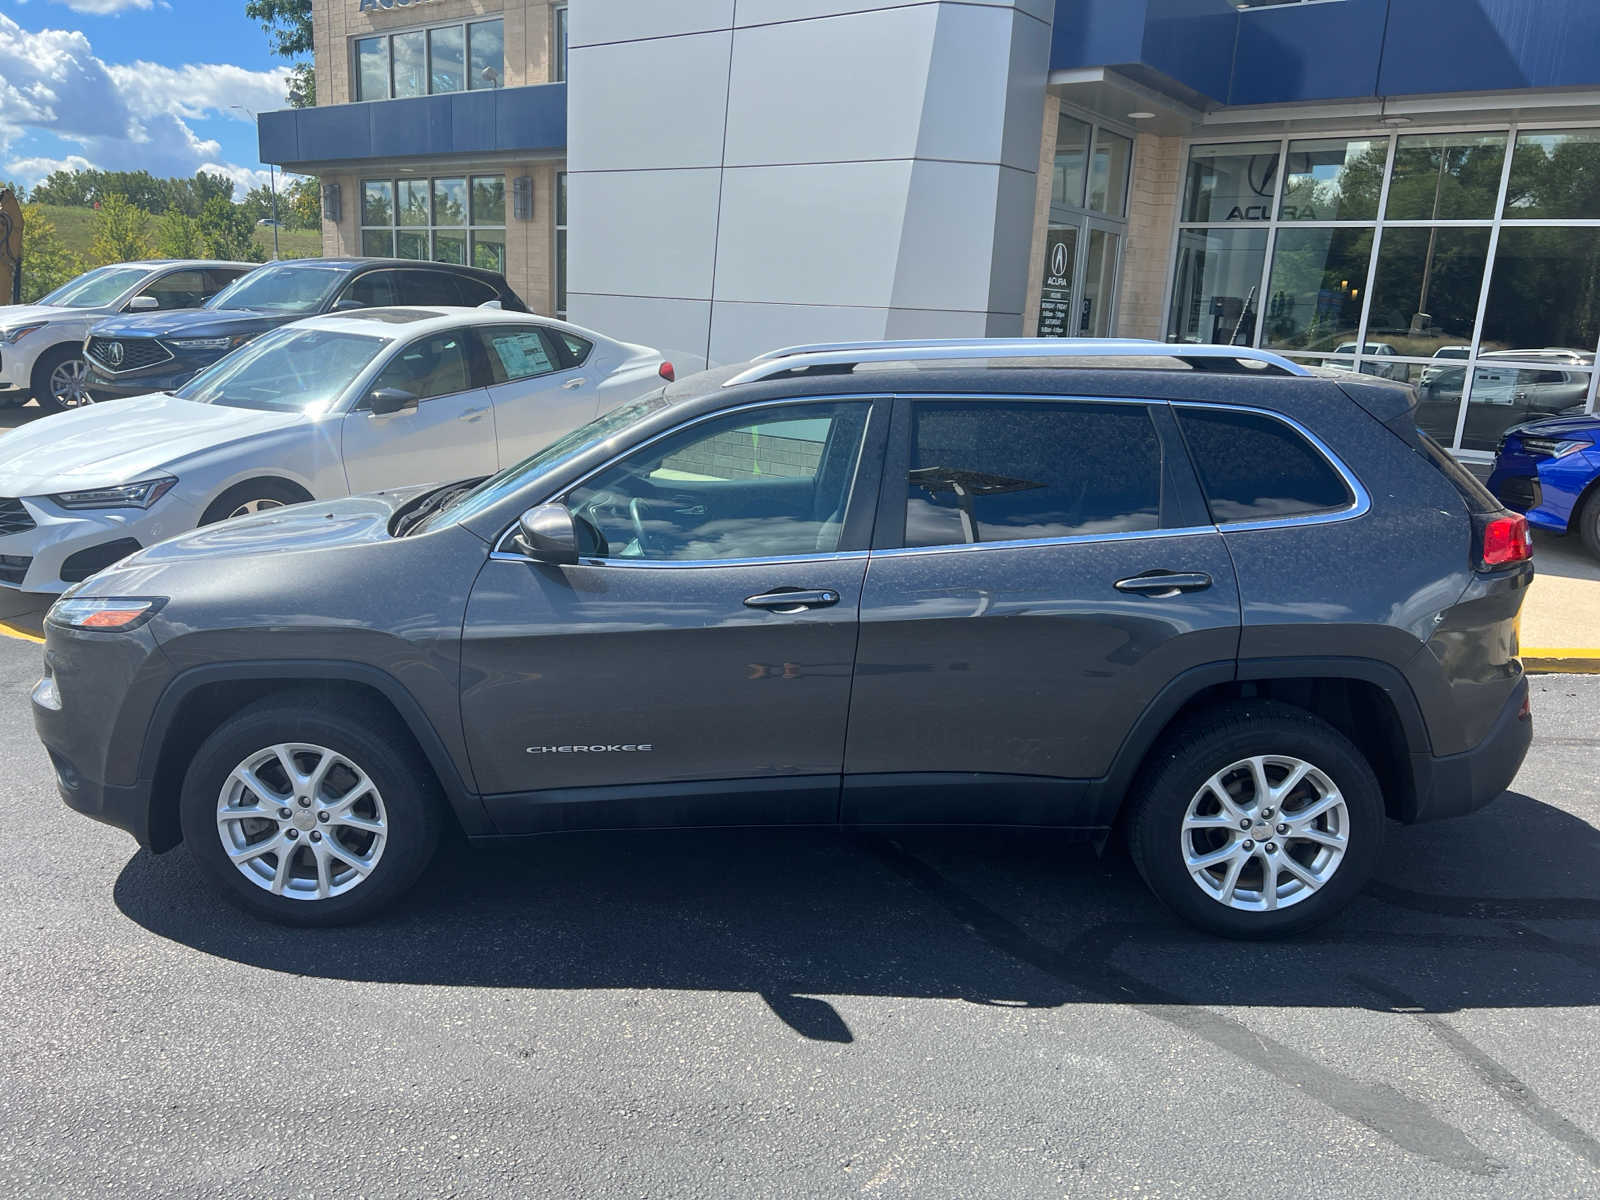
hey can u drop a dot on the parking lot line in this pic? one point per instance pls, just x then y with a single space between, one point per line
1565 660
21 635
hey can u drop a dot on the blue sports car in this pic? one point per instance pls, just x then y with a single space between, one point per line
1549 470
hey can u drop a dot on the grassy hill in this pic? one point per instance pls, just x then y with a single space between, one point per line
76 227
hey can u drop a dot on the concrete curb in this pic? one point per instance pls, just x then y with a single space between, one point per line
1539 661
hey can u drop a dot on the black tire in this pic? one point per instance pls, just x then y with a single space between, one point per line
48 362
1196 750
272 492
412 807
1588 521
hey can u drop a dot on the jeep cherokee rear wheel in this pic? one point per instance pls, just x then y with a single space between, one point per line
1257 820
308 815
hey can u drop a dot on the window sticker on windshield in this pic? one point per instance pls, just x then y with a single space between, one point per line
523 354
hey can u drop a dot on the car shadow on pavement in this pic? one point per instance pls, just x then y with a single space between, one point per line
992 919
1566 557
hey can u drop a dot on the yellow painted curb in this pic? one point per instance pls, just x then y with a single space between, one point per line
21 635
1574 661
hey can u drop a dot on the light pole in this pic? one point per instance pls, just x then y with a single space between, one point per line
272 174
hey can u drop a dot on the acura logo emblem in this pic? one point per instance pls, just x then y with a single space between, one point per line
114 353
1058 260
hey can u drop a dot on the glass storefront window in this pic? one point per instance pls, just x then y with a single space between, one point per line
434 61
1555 176
410 54
558 49
1546 290
1425 295
1214 289
447 66
447 220
488 200
489 250
1231 183
377 202
488 46
1507 396
372 69
450 202
1071 162
1108 177
1446 176
1334 179
413 202
1314 297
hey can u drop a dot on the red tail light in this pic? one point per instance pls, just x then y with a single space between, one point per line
1507 540
667 373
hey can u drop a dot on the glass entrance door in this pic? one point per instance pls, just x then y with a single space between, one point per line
1097 291
1086 229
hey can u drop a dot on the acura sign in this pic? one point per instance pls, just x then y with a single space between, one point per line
376 5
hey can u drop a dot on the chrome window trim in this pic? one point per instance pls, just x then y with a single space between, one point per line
1076 539
698 563
500 554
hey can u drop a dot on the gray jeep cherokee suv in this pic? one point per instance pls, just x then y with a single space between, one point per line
1241 611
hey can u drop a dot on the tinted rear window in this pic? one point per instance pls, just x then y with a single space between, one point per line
1001 471
1256 468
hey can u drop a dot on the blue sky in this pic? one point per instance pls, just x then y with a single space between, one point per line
133 84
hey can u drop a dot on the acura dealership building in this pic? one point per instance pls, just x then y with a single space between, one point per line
1409 188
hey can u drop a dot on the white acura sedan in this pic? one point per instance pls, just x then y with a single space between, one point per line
331 406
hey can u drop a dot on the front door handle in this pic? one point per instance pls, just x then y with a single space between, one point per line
572 384
793 601
1162 584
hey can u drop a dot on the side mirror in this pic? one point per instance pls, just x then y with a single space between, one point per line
143 304
547 534
390 400
348 305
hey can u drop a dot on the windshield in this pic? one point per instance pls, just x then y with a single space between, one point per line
497 487
287 370
289 288
97 289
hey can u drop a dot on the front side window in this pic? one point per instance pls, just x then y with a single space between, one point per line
1011 471
181 289
753 485
435 61
287 370
439 365
1256 468
449 220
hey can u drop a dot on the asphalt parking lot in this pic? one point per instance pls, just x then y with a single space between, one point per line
805 1014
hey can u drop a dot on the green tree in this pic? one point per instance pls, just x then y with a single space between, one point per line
46 262
178 236
121 232
288 27
257 204
301 203
227 232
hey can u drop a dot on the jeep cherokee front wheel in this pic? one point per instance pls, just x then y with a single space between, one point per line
1257 820
309 815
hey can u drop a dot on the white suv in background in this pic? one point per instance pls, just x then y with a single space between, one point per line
41 345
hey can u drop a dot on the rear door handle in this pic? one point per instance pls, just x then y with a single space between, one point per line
571 384
1161 584
791 602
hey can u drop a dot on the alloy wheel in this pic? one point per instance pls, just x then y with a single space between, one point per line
302 821
69 383
1265 833
250 507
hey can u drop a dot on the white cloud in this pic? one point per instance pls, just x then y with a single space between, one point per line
244 178
105 8
123 117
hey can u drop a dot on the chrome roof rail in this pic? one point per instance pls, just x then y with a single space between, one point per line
1048 350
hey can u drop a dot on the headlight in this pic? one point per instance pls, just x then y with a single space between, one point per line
211 343
127 495
110 613
12 336
1551 447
